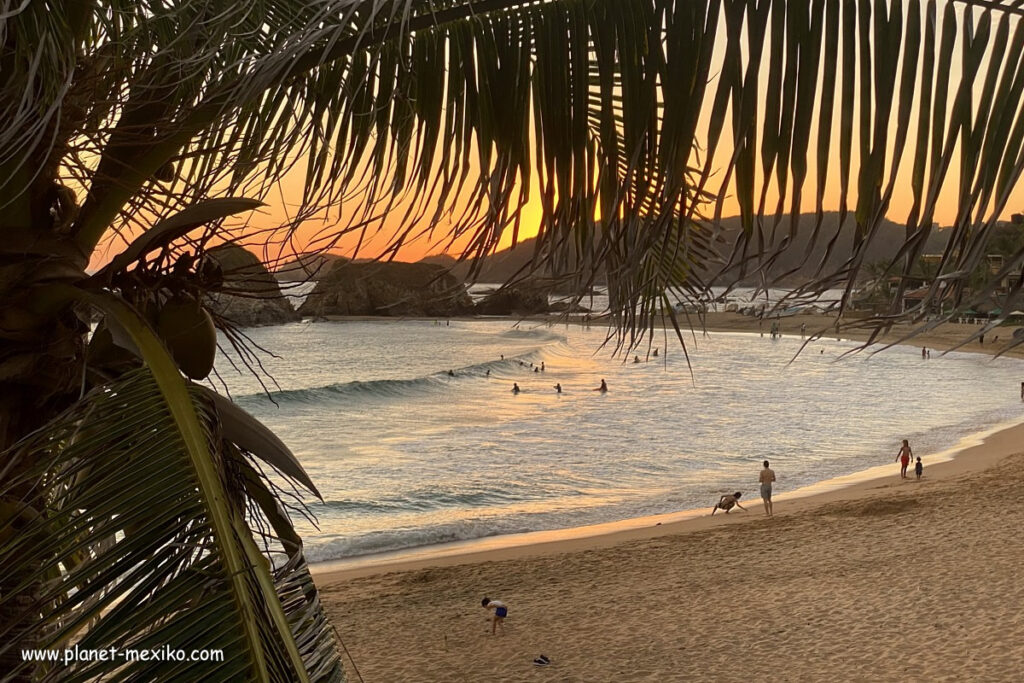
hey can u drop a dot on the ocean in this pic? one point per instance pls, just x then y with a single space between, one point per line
407 455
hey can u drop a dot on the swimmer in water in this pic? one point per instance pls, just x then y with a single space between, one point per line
451 373
636 359
558 388
537 369
603 388
515 388
655 352
542 366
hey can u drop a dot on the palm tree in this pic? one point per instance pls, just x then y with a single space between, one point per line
135 510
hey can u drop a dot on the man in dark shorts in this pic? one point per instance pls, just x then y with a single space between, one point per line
728 502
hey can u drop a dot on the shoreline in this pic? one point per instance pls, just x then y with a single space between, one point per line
973 454
602 535
947 337
850 575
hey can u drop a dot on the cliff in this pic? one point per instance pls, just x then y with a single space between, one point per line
387 289
307 267
251 295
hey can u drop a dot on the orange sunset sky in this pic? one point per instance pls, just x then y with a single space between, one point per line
280 204
900 205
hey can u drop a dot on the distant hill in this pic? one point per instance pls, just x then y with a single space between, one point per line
499 267
307 267
884 246
507 263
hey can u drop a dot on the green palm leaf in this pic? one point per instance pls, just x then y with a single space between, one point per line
133 556
142 538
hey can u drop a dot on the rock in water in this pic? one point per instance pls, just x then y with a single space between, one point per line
252 296
521 300
387 289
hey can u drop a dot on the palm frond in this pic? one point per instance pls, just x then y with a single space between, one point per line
132 555
439 119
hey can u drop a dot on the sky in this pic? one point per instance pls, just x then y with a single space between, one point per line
898 210
279 203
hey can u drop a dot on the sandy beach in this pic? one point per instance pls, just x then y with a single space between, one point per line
887 579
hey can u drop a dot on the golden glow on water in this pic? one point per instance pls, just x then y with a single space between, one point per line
407 456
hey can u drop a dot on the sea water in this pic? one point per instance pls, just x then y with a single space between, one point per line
407 455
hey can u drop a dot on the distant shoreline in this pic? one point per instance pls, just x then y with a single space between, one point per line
945 337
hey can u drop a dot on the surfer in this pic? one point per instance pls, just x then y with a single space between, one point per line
603 388
558 388
515 388
728 502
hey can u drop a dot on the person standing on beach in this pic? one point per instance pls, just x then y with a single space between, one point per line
766 478
904 457
918 468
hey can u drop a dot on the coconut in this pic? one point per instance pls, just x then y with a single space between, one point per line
187 330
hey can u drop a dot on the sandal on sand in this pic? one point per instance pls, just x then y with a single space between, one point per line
545 659
540 662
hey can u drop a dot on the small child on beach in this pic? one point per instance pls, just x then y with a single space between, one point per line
728 502
918 467
500 612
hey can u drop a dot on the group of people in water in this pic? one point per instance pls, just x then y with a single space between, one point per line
558 387
767 477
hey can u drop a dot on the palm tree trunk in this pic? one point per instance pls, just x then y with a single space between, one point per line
41 356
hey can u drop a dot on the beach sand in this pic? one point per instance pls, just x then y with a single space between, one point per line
887 579
944 337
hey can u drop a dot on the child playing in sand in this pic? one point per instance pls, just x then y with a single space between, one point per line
918 467
500 612
727 502
904 457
